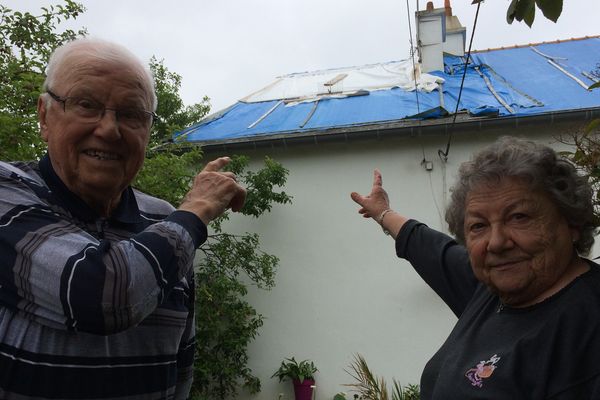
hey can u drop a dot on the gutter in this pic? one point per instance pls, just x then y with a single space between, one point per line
396 129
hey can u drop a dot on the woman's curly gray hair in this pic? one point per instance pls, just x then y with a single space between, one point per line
538 166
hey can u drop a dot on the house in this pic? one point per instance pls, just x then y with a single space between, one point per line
340 290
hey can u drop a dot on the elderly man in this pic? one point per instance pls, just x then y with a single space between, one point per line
96 288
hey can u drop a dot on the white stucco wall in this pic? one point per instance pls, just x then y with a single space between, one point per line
340 289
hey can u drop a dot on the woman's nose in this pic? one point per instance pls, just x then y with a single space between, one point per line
499 239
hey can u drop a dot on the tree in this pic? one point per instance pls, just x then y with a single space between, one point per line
26 43
524 10
225 322
585 155
173 115
585 141
169 167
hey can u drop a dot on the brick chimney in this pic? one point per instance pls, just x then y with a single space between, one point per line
438 32
448 8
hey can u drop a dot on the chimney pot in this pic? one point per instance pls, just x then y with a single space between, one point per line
448 8
430 6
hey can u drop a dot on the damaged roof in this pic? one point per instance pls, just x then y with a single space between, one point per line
520 81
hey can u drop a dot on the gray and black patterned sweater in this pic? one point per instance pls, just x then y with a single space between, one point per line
93 307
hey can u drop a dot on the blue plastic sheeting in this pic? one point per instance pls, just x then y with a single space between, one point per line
375 107
531 73
476 94
522 78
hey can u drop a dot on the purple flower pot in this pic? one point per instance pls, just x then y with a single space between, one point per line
303 391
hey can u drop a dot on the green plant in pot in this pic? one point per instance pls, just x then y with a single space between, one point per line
302 375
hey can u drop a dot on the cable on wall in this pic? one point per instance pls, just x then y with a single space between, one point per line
444 154
414 66
428 165
412 54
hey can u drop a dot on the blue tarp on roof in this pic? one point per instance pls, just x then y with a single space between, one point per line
529 80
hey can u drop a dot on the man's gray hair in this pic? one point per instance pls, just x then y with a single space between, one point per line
104 51
541 168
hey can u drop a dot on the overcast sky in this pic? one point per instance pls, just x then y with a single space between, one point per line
227 49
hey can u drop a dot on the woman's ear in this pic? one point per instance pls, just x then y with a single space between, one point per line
575 234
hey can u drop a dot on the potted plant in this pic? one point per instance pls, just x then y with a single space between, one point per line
370 386
301 374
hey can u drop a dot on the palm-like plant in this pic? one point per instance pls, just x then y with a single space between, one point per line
371 387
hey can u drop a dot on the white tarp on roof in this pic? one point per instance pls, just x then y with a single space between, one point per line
308 86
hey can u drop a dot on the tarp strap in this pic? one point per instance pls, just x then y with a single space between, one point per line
310 114
567 73
546 55
590 77
488 83
252 125
551 60
509 85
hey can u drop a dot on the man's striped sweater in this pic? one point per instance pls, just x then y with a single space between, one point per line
93 307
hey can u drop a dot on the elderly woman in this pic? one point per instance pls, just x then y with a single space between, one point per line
528 304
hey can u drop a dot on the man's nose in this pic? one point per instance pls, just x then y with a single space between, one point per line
108 126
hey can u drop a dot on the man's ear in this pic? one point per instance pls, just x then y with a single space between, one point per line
42 113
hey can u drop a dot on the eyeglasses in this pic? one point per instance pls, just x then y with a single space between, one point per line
90 110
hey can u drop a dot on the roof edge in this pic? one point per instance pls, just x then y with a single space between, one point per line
398 129
519 46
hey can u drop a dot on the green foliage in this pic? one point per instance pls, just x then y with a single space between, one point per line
27 41
173 116
586 156
586 151
260 185
592 126
293 370
169 174
524 10
341 396
408 392
371 387
225 322
169 168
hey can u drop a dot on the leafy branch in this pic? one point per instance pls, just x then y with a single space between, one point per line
524 10
226 323
26 42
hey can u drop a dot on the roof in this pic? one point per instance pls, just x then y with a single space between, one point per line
520 81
